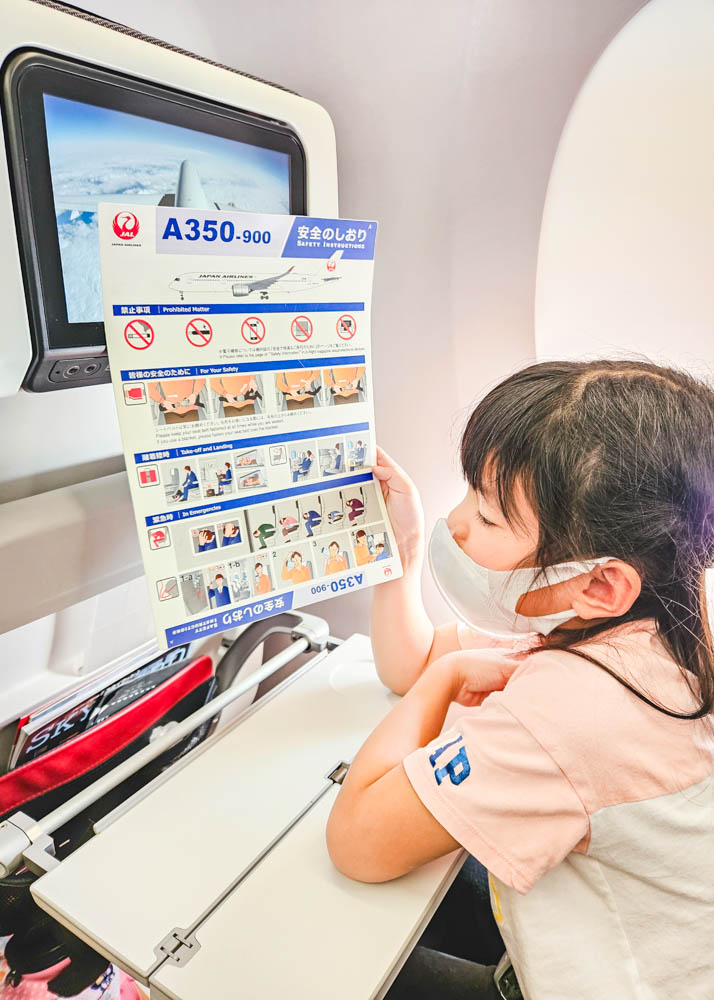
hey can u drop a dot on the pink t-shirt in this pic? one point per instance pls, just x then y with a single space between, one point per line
594 814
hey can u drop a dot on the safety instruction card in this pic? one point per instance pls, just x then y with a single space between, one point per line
240 356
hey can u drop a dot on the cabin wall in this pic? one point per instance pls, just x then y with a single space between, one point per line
446 131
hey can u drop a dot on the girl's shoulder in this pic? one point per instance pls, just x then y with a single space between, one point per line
610 743
633 654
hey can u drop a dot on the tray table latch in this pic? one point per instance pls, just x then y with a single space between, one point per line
338 772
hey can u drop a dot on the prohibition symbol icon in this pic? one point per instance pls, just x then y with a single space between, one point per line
346 327
252 330
199 332
139 334
301 328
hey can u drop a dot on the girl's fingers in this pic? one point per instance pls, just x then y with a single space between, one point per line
390 467
390 479
384 459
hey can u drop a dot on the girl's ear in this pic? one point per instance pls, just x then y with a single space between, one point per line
608 592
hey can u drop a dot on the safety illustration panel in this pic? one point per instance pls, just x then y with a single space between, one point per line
241 362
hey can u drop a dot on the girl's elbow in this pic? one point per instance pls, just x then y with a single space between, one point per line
345 845
389 682
352 866
337 836
394 686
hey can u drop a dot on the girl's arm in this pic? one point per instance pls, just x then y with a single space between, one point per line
404 641
376 803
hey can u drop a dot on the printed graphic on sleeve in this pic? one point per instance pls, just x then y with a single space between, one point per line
448 761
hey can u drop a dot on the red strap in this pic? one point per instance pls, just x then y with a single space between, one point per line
88 750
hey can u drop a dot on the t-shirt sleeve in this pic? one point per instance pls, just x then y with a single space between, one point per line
500 794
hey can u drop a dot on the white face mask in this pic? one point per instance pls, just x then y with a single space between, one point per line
486 599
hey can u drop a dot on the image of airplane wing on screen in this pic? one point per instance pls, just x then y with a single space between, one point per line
188 193
258 283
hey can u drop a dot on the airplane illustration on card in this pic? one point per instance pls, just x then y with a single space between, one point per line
241 284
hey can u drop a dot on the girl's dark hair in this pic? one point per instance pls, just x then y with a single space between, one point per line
617 459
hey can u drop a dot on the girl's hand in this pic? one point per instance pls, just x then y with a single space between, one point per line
475 674
403 505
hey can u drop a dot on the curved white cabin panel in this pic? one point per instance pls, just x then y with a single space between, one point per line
626 258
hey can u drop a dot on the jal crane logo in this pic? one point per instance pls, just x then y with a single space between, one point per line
125 225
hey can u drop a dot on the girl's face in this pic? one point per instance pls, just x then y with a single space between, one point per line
479 528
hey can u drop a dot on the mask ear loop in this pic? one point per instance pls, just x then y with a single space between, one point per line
540 571
580 567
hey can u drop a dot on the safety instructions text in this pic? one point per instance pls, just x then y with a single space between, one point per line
240 355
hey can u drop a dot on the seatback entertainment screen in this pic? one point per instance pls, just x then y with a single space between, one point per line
79 135
98 154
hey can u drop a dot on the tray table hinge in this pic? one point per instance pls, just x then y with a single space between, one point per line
179 946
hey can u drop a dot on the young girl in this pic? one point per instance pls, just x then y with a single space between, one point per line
575 763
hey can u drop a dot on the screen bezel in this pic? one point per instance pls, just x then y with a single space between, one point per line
27 78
